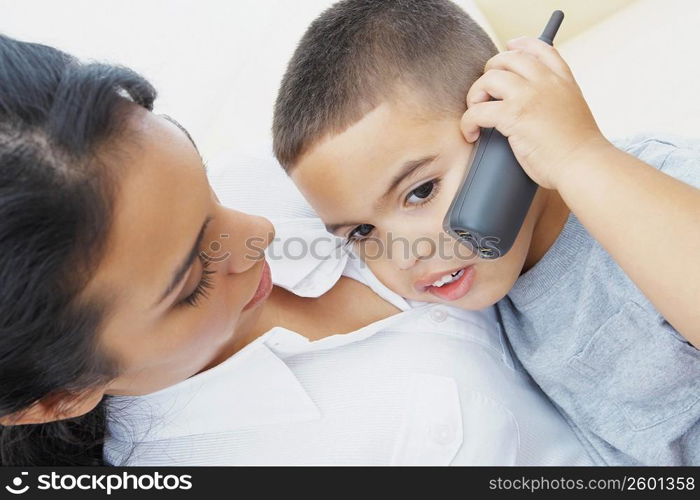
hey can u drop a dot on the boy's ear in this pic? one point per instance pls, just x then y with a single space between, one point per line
57 406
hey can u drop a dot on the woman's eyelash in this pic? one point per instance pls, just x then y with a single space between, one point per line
205 283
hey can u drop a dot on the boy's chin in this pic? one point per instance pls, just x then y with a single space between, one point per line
469 302
481 296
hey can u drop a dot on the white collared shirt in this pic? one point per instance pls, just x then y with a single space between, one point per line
433 384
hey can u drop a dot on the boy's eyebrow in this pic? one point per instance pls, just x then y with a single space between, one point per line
407 169
332 228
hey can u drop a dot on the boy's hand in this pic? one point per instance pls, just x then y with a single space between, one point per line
540 109
634 211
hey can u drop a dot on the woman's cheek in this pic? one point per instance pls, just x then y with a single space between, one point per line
205 326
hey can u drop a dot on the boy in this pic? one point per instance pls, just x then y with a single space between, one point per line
600 293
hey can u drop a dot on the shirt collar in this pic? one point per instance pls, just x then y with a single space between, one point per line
252 387
255 387
304 258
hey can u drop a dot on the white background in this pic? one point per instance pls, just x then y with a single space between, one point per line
217 64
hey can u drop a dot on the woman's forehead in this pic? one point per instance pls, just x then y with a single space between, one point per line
161 195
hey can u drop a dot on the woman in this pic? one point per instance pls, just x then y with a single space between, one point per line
135 310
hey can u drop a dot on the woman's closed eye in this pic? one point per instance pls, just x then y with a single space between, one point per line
201 290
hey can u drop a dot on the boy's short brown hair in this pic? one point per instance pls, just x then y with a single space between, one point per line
353 56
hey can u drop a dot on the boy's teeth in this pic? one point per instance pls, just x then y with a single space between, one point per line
448 278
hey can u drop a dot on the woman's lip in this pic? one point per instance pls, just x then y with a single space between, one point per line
264 287
423 284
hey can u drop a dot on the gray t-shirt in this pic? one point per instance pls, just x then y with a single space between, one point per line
626 380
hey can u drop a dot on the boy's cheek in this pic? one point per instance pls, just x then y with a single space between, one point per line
493 281
392 278
369 250
397 281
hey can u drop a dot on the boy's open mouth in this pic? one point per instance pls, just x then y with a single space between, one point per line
449 286
448 278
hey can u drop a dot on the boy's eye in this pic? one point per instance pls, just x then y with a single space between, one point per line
360 231
421 193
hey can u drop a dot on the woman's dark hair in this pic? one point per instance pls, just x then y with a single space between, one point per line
55 214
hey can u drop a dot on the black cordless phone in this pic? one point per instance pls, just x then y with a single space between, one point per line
495 196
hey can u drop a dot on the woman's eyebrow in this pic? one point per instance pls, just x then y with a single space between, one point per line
186 263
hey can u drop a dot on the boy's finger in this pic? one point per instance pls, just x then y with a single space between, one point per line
496 83
477 97
482 115
519 62
542 51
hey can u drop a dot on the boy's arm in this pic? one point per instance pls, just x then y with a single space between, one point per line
648 221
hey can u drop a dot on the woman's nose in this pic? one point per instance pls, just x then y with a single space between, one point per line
242 240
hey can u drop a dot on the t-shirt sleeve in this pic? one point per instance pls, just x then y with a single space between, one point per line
683 164
674 155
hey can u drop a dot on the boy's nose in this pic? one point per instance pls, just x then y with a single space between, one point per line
425 248
405 264
408 249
